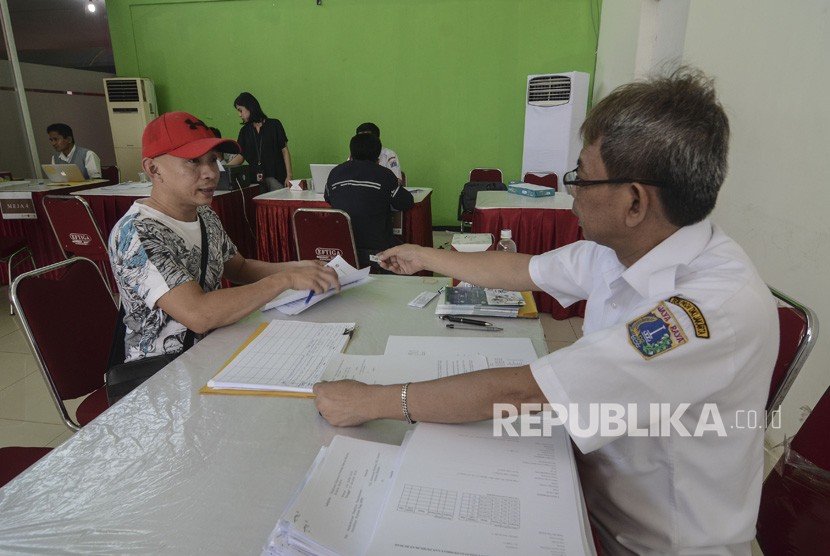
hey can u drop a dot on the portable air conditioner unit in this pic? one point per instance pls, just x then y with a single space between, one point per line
131 104
555 107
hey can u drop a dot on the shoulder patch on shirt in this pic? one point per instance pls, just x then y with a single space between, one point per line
695 315
656 332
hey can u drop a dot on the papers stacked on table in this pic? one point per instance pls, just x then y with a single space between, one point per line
484 302
293 302
449 489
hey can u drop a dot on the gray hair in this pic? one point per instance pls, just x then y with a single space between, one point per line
668 129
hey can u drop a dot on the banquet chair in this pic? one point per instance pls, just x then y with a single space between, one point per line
322 234
111 174
11 248
76 230
794 516
545 179
69 317
486 174
14 460
798 330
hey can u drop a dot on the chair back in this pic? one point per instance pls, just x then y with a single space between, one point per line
14 460
545 179
486 174
798 330
69 317
74 226
795 501
322 234
111 173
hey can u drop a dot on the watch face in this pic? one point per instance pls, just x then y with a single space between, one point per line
260 176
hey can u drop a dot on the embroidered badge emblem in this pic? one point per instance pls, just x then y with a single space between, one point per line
697 318
656 332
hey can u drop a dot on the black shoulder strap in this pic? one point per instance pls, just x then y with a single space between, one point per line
190 336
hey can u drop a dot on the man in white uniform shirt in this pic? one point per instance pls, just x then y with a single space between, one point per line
680 332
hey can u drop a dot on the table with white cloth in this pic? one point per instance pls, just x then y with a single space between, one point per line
538 224
21 203
168 470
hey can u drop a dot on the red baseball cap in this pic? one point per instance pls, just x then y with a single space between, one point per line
182 135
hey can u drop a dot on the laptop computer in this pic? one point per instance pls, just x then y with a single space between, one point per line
320 175
62 173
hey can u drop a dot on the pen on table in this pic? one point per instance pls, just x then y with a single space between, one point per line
465 320
310 295
490 328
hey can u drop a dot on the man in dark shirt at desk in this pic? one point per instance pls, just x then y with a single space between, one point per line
368 192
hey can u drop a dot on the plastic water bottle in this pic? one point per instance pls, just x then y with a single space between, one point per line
506 242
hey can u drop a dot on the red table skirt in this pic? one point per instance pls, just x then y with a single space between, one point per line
535 231
275 238
234 209
37 231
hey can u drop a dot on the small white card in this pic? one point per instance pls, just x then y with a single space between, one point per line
423 299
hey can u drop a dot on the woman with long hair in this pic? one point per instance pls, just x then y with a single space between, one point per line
264 144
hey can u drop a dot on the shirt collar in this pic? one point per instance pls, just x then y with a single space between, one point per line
68 156
655 273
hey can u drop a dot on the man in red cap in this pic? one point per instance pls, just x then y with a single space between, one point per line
156 248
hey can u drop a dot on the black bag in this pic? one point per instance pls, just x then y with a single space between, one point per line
467 198
122 378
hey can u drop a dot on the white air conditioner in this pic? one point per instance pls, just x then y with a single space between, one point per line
555 107
131 104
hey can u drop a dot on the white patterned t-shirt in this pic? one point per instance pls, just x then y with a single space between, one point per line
151 254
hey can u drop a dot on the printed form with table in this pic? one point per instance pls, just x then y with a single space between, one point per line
448 489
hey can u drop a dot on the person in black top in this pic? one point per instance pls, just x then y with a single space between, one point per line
264 144
368 192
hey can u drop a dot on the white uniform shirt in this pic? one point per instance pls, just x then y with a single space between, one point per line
388 159
91 161
666 494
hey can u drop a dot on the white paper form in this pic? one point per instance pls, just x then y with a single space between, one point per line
293 302
338 506
500 352
461 490
288 356
388 369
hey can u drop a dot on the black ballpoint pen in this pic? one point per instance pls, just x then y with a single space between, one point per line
465 320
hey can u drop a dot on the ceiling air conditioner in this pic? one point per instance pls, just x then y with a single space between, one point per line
131 105
555 107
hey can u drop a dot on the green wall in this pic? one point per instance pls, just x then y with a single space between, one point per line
443 79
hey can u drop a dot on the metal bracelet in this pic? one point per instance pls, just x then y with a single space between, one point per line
404 407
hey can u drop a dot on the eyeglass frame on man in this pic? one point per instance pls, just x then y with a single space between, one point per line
571 183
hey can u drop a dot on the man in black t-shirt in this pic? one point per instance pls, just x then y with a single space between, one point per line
368 192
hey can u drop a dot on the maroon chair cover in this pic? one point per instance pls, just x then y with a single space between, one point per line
795 503
322 234
542 178
486 174
69 319
16 459
797 328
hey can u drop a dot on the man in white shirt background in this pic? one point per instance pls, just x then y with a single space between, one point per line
388 158
67 152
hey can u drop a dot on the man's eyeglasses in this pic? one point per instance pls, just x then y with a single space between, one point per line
571 182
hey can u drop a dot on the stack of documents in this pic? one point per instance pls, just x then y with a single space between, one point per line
484 302
449 489
293 302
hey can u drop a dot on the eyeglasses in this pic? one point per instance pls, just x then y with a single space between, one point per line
571 182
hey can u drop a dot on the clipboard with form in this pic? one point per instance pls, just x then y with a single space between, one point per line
282 358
